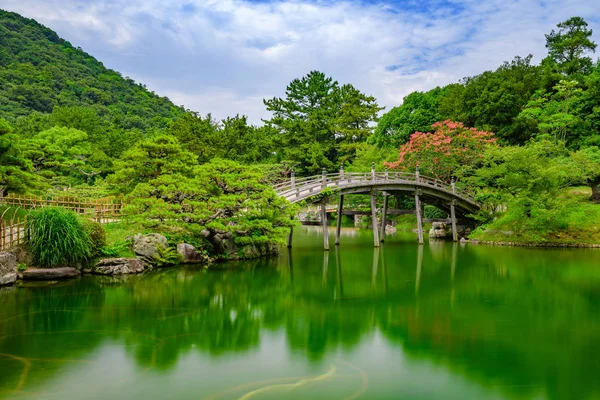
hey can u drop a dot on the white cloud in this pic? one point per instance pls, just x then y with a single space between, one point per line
225 56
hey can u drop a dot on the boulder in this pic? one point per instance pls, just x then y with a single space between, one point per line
146 247
440 230
390 230
118 266
49 274
8 268
464 240
190 255
22 255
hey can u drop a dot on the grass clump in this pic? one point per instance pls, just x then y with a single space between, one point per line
57 237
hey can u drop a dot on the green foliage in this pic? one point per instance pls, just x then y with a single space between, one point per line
553 114
57 237
526 181
95 232
22 267
119 249
417 113
433 212
167 257
567 47
40 71
15 169
319 122
587 164
150 160
369 154
221 198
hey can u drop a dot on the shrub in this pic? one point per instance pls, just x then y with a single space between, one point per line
56 237
433 212
96 233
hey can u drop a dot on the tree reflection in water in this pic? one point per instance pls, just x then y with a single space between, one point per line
520 319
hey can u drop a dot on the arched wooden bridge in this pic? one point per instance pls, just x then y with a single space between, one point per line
425 190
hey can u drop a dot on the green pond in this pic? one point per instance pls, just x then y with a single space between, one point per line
438 321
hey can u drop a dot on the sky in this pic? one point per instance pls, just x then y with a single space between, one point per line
225 56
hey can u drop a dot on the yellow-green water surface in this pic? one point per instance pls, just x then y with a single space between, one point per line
439 321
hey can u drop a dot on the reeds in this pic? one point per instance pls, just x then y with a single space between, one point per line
56 237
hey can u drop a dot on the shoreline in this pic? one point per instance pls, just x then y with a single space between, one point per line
534 244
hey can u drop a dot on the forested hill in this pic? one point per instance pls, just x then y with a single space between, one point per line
40 71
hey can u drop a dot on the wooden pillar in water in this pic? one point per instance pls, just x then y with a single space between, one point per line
383 217
374 220
453 213
339 219
453 219
324 223
290 237
418 210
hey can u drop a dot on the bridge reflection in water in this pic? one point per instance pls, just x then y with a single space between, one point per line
426 190
379 278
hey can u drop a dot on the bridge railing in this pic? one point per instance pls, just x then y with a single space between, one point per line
303 187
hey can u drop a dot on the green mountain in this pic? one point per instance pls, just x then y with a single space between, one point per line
39 71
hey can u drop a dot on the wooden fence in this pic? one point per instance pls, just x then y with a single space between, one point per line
12 232
12 226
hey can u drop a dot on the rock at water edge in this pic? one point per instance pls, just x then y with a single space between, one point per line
8 268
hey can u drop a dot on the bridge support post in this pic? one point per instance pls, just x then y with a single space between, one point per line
418 210
324 223
374 220
453 219
339 219
290 235
383 217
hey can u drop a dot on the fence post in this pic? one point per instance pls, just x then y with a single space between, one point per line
373 172
324 178
417 173
293 178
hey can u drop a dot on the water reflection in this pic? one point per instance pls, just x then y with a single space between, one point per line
503 322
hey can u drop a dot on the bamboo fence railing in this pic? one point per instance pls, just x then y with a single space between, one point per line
12 225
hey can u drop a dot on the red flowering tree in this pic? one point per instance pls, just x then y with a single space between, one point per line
441 153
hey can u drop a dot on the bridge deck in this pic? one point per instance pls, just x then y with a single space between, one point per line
305 188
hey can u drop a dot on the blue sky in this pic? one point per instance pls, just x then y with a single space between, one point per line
225 56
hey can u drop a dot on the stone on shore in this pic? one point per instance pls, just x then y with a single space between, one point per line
190 255
118 266
146 247
45 274
8 268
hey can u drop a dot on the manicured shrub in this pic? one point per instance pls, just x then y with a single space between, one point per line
56 238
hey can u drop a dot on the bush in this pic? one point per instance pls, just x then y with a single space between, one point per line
56 237
433 212
96 233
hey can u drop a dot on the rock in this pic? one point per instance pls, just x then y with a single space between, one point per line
390 230
22 255
440 230
49 274
118 266
8 268
190 255
146 247
464 240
